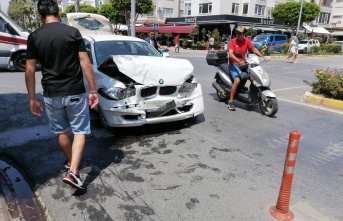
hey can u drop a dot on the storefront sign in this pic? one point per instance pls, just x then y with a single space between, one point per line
267 21
190 19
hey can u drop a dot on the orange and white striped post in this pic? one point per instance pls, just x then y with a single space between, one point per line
281 210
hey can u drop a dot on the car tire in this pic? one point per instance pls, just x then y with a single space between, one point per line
19 62
305 50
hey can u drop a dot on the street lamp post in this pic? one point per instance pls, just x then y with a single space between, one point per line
301 10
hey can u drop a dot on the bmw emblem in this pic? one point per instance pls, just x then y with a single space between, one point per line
161 81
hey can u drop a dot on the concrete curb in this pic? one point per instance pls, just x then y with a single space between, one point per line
320 100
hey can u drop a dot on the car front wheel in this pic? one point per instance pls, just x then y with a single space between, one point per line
305 50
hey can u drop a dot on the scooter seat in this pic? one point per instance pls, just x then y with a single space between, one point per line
225 68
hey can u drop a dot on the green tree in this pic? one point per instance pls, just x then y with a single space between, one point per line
288 13
83 8
124 9
113 15
21 11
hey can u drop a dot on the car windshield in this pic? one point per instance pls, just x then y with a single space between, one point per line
259 38
104 49
303 42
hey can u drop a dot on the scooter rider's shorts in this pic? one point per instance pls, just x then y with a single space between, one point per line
236 72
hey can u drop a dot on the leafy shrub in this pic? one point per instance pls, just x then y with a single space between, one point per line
314 49
329 84
331 48
285 47
271 50
334 48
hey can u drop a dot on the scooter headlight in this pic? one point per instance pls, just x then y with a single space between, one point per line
116 93
265 77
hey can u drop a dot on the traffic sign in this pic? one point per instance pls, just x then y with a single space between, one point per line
155 26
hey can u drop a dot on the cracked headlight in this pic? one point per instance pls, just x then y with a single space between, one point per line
117 93
188 87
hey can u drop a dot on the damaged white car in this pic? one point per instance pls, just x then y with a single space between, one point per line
137 86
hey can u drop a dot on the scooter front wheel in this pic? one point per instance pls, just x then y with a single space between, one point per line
269 106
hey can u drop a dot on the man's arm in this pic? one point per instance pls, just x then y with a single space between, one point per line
233 57
258 53
30 80
158 45
88 72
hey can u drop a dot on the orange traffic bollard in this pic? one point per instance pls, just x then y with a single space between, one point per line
281 210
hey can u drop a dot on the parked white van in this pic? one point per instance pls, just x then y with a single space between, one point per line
13 41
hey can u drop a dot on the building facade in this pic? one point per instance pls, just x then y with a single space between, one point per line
330 17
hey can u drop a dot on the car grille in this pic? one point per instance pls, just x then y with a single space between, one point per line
167 90
148 91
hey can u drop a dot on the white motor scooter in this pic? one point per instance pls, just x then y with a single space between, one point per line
258 91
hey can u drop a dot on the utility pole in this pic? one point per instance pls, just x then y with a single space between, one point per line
77 5
301 11
133 14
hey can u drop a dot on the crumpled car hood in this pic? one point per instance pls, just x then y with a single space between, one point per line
154 70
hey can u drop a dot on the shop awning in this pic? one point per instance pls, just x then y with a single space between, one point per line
337 33
168 29
317 30
266 29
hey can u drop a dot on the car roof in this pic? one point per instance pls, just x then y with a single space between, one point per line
109 37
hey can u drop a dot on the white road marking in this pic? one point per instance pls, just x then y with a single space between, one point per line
312 106
290 88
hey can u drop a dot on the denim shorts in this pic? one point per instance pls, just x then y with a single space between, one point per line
68 112
236 72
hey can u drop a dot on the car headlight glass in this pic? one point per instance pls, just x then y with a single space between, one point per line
119 93
188 87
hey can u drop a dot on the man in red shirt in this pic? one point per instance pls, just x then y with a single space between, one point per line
177 43
239 44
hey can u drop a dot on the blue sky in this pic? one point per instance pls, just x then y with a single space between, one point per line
4 5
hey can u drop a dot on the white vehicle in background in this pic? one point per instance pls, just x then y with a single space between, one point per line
137 85
305 45
13 41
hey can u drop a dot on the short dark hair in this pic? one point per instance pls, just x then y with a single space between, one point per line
47 7
151 30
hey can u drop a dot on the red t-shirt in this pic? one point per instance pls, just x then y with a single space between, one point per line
240 46
177 40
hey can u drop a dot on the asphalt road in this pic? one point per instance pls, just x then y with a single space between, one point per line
223 166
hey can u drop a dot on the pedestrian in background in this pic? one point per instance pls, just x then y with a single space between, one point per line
177 43
211 43
152 40
62 54
293 49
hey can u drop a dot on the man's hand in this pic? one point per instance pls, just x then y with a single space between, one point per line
36 108
265 59
93 100
240 62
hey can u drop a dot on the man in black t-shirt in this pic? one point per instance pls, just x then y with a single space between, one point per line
62 54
